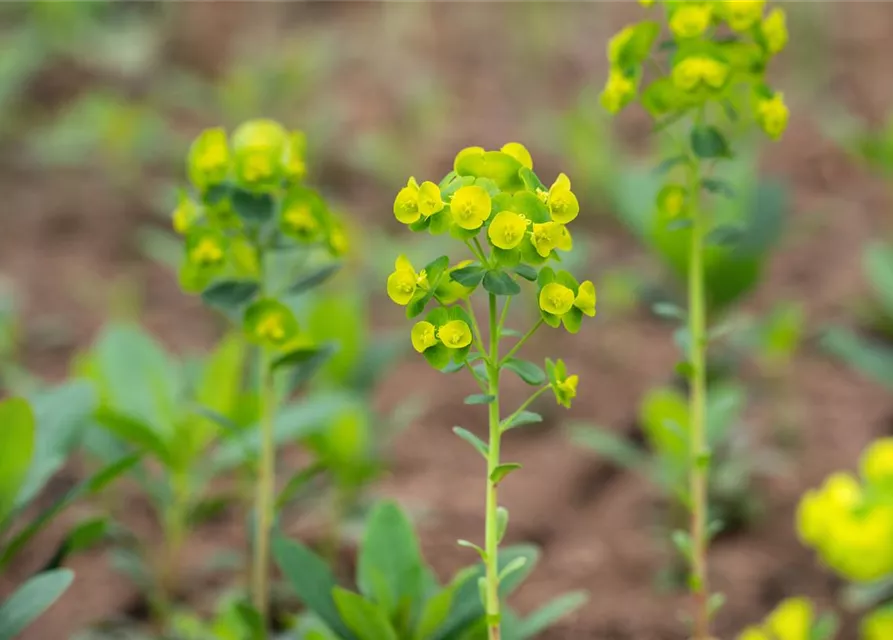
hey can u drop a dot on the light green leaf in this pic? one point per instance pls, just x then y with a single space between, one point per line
615 448
31 600
550 613
473 440
529 372
362 617
16 450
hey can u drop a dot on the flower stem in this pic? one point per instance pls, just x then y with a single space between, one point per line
492 533
521 342
699 454
265 489
536 394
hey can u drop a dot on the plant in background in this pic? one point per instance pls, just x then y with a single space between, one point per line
35 441
248 208
512 226
399 597
793 619
709 83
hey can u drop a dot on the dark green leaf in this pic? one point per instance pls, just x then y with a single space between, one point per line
479 398
526 271
500 472
230 296
136 433
501 284
253 208
668 164
85 535
314 279
31 600
312 581
522 418
529 372
709 142
453 367
473 440
719 187
725 235
304 368
469 276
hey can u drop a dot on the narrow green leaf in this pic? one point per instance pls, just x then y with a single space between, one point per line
869 357
500 472
83 536
479 398
521 419
31 600
297 482
471 545
137 434
17 433
500 283
719 187
669 163
682 541
613 447
473 440
725 235
313 279
529 372
550 613
515 565
669 310
363 617
502 523
434 613
306 368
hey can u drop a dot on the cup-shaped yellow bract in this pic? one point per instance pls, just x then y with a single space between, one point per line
690 19
548 236
562 300
430 200
303 215
404 281
451 338
671 201
424 336
519 152
501 167
563 204
470 207
877 625
206 248
259 147
696 72
295 160
270 323
563 386
772 115
406 204
774 31
507 229
619 91
209 159
741 15
792 619
876 465
186 214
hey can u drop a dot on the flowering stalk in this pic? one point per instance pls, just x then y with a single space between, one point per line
498 193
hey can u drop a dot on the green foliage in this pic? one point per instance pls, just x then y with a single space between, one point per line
399 596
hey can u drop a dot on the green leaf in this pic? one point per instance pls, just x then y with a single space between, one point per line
473 440
725 235
313 279
608 444
719 187
136 433
479 398
665 419
526 271
709 142
682 541
500 472
364 618
469 276
522 418
515 565
253 208
230 296
300 356
669 311
88 487
84 536
297 482
550 613
435 613
502 523
500 283
877 262
669 163
871 358
529 372
312 581
31 600
16 450
304 365
389 566
725 404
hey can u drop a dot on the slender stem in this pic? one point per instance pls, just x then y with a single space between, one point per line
492 533
521 342
477 254
536 394
265 491
477 243
699 461
477 378
505 313
476 329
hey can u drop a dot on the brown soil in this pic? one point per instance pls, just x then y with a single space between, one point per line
596 523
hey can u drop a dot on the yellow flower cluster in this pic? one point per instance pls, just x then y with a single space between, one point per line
850 523
563 301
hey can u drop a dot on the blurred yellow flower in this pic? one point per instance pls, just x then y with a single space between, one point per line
743 14
775 30
691 19
618 91
772 115
693 71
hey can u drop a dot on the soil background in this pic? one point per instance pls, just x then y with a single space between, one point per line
495 68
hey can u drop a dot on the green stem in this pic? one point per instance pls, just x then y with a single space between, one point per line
699 461
536 394
521 342
265 490
476 329
492 540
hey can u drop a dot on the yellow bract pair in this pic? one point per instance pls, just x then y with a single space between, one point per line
793 619
404 281
455 334
471 207
558 299
772 115
697 71
414 201
691 19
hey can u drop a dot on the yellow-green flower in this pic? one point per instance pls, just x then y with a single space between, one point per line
646 3
206 248
792 619
878 625
774 30
772 115
618 92
404 281
548 236
519 152
209 158
556 299
430 199
406 204
259 147
563 386
470 207
424 336
690 20
741 15
295 152
338 241
695 71
563 204
507 229
270 323
585 300
877 462
186 214
300 221
455 334
671 200
618 42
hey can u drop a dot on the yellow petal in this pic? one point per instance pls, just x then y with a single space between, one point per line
556 299
423 336
585 300
519 152
406 205
470 207
455 334
791 620
507 229
429 199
